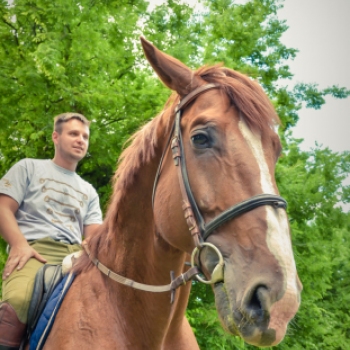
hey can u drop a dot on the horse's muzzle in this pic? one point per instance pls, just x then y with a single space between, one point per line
251 316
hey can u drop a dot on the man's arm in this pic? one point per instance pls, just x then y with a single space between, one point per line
89 230
20 251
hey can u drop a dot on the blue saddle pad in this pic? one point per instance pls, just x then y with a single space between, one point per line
47 318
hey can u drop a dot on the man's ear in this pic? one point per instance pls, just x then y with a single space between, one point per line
55 135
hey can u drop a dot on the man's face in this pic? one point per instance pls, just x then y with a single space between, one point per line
72 144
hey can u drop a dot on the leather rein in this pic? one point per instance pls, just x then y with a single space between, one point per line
199 229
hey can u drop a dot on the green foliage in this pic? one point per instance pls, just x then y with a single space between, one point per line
314 98
68 56
85 57
312 184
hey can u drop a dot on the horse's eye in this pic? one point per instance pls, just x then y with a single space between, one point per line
200 140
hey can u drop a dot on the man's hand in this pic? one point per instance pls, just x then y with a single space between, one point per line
18 257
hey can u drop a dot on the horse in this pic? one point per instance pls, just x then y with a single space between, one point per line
196 183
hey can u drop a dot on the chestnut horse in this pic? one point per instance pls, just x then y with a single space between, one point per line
218 168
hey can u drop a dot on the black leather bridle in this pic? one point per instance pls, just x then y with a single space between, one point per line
199 229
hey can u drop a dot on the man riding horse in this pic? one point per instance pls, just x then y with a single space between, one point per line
45 210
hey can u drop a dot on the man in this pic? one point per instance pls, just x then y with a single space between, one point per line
45 209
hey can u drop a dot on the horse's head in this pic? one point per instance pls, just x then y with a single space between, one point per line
230 148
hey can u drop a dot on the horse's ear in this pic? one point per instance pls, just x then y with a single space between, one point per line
173 73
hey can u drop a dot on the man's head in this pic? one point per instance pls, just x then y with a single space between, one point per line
71 138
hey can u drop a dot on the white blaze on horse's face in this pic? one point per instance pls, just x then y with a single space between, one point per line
278 238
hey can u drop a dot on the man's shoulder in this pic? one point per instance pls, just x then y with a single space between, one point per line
26 162
16 181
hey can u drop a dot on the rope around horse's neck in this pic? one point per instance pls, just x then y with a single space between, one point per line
175 282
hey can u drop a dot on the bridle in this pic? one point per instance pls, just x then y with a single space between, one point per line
199 229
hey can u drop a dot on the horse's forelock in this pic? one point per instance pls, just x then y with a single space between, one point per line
245 94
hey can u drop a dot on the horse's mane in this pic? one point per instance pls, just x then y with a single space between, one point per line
245 94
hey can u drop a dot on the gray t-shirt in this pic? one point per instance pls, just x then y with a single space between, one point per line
53 201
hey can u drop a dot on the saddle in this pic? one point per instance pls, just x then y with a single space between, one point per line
46 319
47 278
51 284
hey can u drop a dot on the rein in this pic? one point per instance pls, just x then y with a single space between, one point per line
175 282
199 229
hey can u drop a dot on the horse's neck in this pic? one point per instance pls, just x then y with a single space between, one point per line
132 246
140 251
132 231
136 252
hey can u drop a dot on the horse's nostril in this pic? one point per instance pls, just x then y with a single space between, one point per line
255 303
258 304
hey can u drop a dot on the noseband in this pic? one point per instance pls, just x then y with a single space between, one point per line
199 229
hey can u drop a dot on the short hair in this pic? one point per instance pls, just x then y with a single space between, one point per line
65 117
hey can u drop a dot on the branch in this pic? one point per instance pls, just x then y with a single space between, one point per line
125 71
113 121
10 24
13 28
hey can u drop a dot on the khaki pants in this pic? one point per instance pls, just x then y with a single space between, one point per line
17 289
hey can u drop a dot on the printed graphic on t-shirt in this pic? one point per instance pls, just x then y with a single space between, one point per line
64 203
6 182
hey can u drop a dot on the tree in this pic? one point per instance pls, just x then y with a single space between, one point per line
85 57
67 56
